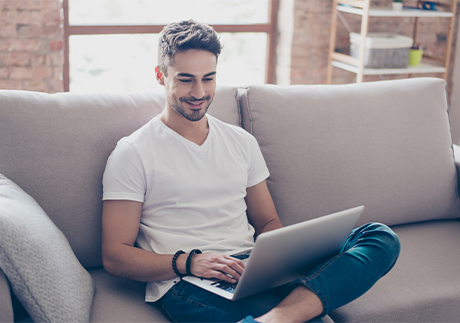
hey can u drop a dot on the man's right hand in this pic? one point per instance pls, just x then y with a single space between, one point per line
217 265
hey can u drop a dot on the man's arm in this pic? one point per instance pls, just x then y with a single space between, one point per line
120 227
261 209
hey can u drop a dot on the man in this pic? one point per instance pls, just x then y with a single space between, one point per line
188 182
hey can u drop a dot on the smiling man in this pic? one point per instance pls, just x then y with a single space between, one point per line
186 189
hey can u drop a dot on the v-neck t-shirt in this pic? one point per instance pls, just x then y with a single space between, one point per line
192 195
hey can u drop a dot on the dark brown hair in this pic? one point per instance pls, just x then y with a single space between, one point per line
181 36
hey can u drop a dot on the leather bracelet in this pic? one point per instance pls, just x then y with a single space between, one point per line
189 260
174 266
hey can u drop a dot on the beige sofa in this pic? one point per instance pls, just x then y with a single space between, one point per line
386 145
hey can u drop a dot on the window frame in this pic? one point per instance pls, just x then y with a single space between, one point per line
270 28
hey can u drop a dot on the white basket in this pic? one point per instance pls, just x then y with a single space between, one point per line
382 50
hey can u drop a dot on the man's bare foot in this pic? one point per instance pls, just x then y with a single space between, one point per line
299 306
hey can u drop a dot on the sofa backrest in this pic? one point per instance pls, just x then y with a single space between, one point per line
385 145
55 147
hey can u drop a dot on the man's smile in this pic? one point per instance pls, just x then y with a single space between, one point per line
195 104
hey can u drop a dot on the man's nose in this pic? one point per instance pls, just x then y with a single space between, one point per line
198 90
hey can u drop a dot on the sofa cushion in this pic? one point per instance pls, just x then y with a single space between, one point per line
36 257
386 145
423 286
121 300
56 147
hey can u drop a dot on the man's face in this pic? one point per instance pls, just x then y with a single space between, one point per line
191 83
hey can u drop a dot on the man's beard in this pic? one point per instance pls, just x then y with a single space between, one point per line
194 115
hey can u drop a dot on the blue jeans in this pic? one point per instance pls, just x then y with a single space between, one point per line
369 253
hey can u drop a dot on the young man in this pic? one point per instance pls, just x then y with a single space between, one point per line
187 188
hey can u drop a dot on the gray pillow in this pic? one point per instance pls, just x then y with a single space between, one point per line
36 257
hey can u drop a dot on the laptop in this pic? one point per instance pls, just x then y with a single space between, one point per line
281 256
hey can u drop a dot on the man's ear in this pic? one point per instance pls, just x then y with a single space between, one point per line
159 76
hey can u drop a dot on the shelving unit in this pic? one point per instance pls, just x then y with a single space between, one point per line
362 8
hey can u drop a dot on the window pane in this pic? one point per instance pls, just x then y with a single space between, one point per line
126 63
242 61
93 12
113 63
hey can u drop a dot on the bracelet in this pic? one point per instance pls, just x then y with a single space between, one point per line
189 260
174 266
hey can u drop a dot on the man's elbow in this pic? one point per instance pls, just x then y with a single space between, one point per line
111 265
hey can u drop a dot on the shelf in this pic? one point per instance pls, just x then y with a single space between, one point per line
422 68
364 9
395 13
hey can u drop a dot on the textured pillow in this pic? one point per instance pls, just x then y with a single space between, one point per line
36 257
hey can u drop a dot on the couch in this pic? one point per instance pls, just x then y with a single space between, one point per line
386 145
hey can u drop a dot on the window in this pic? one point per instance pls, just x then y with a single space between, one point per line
111 45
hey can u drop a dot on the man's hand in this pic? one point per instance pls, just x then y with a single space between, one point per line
217 265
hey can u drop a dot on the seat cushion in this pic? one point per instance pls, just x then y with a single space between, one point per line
36 257
55 146
423 286
121 300
385 145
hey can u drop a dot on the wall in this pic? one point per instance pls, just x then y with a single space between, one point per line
31 42
31 36
310 39
454 108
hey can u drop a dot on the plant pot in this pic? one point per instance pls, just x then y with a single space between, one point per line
415 57
397 6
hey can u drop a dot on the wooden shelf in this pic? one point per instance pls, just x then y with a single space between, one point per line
363 9
396 13
422 68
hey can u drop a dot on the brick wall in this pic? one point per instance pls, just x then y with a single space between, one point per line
310 43
31 45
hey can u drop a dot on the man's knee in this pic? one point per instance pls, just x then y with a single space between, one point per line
386 240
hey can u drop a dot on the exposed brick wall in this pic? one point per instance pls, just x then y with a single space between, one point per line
31 42
31 45
310 44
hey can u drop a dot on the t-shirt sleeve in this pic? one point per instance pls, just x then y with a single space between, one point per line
258 170
124 176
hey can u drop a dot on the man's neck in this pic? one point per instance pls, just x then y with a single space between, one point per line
194 131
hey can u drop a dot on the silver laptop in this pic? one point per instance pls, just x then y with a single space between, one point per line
283 255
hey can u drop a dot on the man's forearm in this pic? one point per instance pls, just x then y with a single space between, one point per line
141 265
271 225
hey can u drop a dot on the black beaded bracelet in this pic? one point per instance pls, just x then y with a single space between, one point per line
174 266
189 260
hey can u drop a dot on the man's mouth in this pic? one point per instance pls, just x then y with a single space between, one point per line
195 104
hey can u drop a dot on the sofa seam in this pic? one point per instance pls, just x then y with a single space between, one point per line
248 109
240 118
457 194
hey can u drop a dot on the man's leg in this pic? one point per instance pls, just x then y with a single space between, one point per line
185 302
369 253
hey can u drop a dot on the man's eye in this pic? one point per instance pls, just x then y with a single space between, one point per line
209 79
185 80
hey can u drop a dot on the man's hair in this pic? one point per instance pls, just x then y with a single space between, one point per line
181 36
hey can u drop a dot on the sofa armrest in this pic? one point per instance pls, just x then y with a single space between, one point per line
6 306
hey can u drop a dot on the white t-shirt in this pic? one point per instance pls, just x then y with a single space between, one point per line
193 196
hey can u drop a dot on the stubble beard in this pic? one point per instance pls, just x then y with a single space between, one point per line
194 115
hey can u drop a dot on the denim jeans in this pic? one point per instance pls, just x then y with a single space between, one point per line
369 253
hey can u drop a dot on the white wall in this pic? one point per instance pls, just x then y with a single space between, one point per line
454 108
283 50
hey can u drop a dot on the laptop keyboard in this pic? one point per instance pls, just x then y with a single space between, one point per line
229 287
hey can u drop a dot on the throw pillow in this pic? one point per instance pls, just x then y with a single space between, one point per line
36 257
